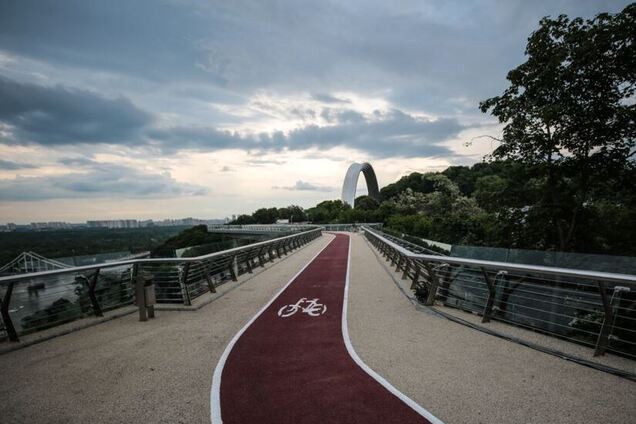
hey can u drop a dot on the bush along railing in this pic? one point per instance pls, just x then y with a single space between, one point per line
351 227
597 309
260 228
409 243
37 301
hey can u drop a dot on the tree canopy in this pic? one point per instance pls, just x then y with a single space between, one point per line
569 110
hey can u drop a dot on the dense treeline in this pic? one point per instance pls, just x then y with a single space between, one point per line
194 236
84 241
496 203
293 213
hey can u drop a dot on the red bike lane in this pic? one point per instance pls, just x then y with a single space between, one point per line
293 364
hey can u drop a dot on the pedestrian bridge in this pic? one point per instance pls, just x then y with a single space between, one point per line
319 328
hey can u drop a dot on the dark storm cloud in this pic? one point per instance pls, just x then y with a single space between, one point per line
391 134
59 115
78 161
157 40
394 134
425 52
341 116
63 116
102 180
9 165
328 98
438 57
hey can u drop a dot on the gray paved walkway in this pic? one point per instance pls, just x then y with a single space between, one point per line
161 371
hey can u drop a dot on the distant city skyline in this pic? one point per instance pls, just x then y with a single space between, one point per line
112 223
163 109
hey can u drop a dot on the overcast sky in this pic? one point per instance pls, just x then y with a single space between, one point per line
164 109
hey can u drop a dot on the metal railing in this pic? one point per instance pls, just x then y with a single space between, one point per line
412 247
259 228
40 300
351 227
597 309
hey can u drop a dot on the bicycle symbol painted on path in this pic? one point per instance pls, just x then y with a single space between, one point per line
311 308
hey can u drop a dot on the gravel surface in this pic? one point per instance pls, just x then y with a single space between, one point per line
465 376
160 371
125 371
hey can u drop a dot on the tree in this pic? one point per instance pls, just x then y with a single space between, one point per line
367 203
489 189
327 211
293 212
570 110
243 220
265 215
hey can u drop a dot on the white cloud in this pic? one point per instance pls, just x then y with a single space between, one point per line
244 96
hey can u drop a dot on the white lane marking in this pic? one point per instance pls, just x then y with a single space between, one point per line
345 333
215 391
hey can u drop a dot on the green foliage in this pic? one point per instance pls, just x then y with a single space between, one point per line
366 203
83 241
327 211
569 113
195 236
265 216
293 213
244 220
416 240
415 181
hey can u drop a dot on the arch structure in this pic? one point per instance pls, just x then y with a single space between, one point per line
351 182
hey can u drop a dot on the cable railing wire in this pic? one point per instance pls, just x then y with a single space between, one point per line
41 300
592 308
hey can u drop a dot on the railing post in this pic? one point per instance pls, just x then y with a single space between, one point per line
490 301
608 318
248 263
407 268
6 318
433 284
261 257
134 271
394 256
140 297
399 262
445 283
416 276
184 284
206 271
270 253
91 294
232 271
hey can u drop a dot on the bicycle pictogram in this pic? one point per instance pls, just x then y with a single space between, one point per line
311 308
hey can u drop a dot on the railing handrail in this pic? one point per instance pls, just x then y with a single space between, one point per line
20 277
507 266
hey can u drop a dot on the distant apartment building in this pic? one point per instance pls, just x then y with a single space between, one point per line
56 225
114 223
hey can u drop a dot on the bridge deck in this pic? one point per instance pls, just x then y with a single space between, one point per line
161 370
